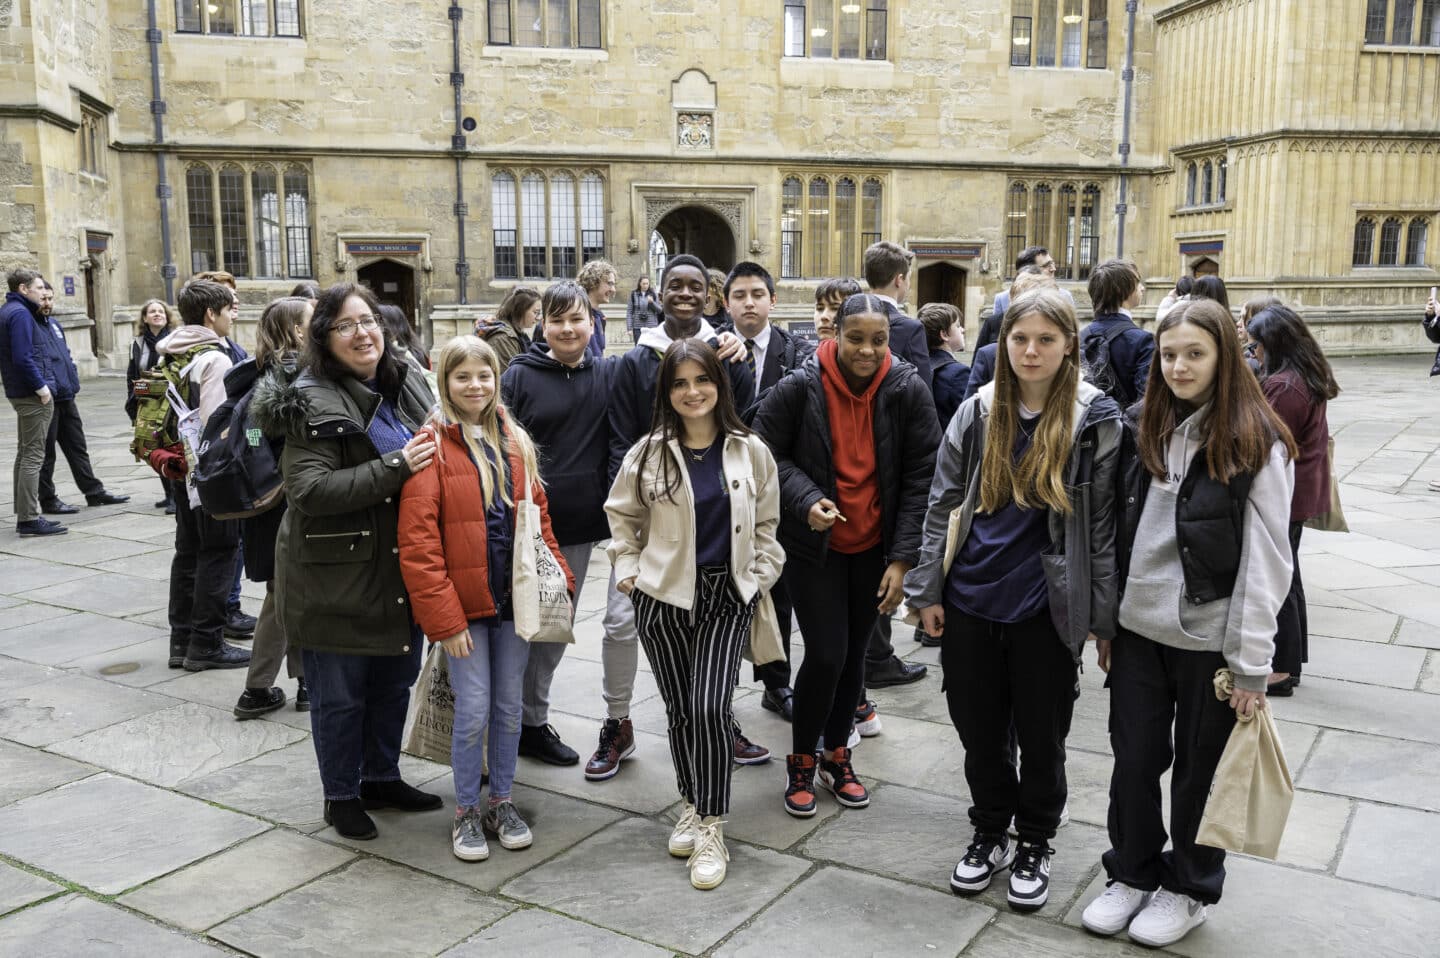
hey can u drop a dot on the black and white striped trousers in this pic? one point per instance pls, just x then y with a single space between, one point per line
696 658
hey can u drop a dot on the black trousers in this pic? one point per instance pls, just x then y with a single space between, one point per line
200 573
68 432
1153 687
998 675
1292 625
880 649
835 605
776 675
696 657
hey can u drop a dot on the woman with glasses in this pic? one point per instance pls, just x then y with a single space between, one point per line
353 434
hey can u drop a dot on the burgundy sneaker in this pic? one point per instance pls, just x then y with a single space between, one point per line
748 753
617 743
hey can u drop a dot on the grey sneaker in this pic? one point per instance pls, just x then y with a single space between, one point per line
467 838
507 824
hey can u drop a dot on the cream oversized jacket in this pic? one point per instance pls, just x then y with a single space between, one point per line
653 538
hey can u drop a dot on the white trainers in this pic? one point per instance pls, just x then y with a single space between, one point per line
1166 919
682 839
708 862
986 855
467 837
1112 911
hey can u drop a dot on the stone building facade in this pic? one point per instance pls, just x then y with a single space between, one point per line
1290 146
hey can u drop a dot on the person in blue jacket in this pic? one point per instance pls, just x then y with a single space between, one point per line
30 387
945 336
66 428
558 391
1115 289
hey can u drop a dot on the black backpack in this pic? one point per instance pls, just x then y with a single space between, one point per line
238 475
1098 368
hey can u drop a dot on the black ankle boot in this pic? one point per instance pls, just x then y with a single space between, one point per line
350 820
177 652
398 795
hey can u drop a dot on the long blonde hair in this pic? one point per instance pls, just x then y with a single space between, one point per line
499 440
1038 479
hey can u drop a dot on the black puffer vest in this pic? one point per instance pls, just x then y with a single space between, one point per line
1209 523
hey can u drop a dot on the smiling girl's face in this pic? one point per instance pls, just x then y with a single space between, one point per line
1189 360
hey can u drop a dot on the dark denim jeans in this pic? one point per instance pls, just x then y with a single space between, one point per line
357 716
200 573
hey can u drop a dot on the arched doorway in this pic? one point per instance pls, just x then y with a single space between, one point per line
393 283
1204 266
700 232
941 283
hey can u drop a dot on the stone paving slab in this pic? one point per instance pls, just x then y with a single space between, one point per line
1276 910
15 674
645 784
1315 830
70 705
530 931
161 831
21 574
75 543
1366 662
623 878
73 926
142 665
30 771
422 839
846 906
20 888
1416 633
283 786
1379 769
1011 936
1364 708
1382 847
210 891
220 689
109 593
66 638
371 908
175 744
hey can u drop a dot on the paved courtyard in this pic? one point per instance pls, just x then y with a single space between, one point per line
137 817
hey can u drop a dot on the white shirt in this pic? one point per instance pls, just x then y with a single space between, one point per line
761 350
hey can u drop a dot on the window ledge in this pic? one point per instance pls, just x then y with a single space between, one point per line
1096 70
1224 207
852 74
246 37
1399 48
1404 270
507 52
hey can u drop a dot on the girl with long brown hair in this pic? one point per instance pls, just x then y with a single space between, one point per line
1016 574
693 513
1205 557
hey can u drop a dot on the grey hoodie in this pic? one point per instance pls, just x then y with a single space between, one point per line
207 370
1241 626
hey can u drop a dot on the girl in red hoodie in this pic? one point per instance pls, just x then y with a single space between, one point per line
457 531
854 434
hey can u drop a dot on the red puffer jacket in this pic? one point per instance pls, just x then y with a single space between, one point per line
442 539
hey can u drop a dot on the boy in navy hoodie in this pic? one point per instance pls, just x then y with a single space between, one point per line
683 287
1112 339
558 390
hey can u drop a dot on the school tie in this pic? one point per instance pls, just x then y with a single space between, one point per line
750 362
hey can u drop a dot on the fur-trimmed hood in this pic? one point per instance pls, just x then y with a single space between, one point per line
278 406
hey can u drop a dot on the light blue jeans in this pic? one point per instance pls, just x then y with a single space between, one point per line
487 685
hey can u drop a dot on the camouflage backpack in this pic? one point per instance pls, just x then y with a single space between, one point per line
157 441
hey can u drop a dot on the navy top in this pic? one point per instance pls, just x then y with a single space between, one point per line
712 504
386 430
500 539
997 573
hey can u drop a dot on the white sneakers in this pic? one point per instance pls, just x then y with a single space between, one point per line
1157 920
682 839
1168 918
708 861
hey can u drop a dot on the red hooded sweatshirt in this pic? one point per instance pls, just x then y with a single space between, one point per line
852 440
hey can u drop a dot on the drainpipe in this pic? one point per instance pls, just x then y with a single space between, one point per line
1127 75
153 38
457 144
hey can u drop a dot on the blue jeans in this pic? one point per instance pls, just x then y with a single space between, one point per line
487 684
357 716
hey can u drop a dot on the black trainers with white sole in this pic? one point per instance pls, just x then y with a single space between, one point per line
1030 876
986 855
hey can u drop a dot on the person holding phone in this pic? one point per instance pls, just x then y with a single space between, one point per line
854 435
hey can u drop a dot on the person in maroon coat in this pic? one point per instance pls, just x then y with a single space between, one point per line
1298 383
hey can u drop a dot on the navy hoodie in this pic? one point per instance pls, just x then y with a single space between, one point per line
1130 352
565 411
